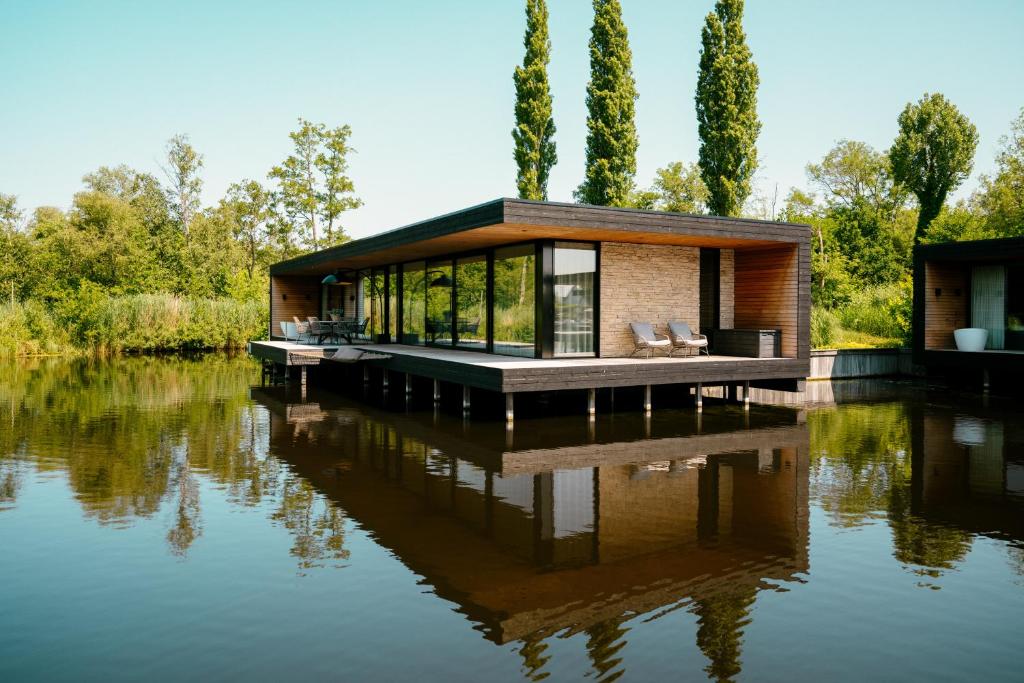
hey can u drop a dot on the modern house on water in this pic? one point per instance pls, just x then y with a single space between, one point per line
969 309
515 296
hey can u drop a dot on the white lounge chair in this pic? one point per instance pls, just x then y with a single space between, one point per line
647 340
682 337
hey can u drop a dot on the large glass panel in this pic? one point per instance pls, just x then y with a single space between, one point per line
377 302
393 304
514 300
471 303
439 303
575 267
988 302
413 302
1015 308
365 299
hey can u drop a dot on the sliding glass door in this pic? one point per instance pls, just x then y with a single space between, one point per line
439 303
471 303
515 300
413 302
575 269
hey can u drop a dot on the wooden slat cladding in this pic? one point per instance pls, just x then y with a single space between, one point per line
768 294
946 311
292 296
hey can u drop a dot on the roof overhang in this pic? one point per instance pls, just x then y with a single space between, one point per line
508 221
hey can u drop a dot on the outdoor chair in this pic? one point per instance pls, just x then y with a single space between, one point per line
320 330
301 329
647 340
683 337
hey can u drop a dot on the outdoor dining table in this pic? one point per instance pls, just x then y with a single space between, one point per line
345 329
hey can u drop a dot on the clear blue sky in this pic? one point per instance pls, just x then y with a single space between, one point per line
427 87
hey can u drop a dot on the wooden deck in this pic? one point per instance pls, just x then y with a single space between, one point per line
507 374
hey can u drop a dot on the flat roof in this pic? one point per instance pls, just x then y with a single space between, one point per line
1002 248
508 221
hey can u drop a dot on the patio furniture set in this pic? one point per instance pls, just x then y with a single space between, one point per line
315 331
679 338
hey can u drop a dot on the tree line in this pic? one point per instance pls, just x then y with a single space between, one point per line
137 261
129 232
867 208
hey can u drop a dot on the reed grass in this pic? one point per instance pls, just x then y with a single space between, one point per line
129 323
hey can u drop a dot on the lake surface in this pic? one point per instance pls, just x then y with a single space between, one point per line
170 519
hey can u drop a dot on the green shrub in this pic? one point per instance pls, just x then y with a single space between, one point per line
882 311
30 329
823 328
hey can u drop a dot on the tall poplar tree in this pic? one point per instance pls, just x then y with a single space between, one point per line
611 106
726 99
535 129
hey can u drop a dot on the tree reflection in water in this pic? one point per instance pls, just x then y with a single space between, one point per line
139 436
132 434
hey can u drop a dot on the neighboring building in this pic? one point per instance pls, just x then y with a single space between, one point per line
961 285
543 280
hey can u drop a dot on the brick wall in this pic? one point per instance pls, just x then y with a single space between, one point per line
646 283
727 289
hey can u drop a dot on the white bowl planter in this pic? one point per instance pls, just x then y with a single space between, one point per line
970 338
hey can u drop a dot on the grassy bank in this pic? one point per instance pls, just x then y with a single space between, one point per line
874 317
130 323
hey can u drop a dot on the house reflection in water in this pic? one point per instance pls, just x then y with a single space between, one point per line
607 522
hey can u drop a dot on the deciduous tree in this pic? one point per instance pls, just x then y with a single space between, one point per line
184 183
1001 198
535 128
726 99
933 154
313 186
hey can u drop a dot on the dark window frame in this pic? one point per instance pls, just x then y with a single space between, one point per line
543 294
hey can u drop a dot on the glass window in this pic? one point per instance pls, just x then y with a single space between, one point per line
988 302
413 302
439 303
575 267
1015 308
365 299
393 304
377 302
514 300
471 303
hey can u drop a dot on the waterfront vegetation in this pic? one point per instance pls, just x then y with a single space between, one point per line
137 263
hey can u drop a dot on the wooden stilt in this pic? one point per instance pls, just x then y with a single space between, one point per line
408 384
510 412
437 391
465 398
366 374
746 395
647 398
591 402
699 394
384 381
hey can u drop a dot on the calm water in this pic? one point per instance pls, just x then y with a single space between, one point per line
169 519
